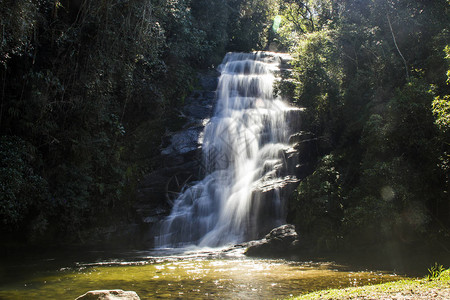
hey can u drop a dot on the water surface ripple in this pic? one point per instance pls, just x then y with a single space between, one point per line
190 274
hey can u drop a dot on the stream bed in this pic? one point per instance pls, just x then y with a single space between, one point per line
189 274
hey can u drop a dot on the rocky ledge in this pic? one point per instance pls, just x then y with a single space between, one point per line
282 241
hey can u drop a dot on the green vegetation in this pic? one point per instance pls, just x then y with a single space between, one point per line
373 76
88 89
439 286
435 271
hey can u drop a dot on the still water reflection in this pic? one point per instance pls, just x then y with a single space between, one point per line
194 275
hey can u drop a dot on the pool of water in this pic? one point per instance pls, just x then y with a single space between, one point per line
188 275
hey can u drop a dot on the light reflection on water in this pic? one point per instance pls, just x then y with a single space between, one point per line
192 275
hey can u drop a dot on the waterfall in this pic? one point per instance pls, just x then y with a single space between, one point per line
244 152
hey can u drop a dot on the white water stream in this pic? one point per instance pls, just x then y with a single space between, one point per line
244 147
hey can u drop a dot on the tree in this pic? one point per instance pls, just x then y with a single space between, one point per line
365 82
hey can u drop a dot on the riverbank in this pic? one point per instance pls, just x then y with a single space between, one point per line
436 288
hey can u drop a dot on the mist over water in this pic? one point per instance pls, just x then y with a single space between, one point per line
244 147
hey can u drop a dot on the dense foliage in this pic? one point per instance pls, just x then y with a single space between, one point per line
374 79
88 89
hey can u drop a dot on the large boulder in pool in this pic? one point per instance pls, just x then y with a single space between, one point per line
280 242
109 295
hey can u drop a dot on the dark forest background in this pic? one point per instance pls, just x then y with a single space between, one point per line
88 89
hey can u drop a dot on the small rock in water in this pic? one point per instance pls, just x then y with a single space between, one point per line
109 295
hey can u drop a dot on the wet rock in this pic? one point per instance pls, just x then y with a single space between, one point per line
280 242
157 188
265 199
109 295
183 142
306 149
180 159
156 193
198 111
294 118
302 137
305 143
208 80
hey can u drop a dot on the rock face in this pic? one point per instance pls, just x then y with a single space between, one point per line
280 242
109 295
306 146
181 161
180 158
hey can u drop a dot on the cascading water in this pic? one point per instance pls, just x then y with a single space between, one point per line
244 147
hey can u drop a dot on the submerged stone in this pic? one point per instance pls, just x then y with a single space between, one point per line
109 295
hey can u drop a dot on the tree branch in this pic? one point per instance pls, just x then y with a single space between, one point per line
396 46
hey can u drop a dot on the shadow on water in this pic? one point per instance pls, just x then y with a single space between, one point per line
174 273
